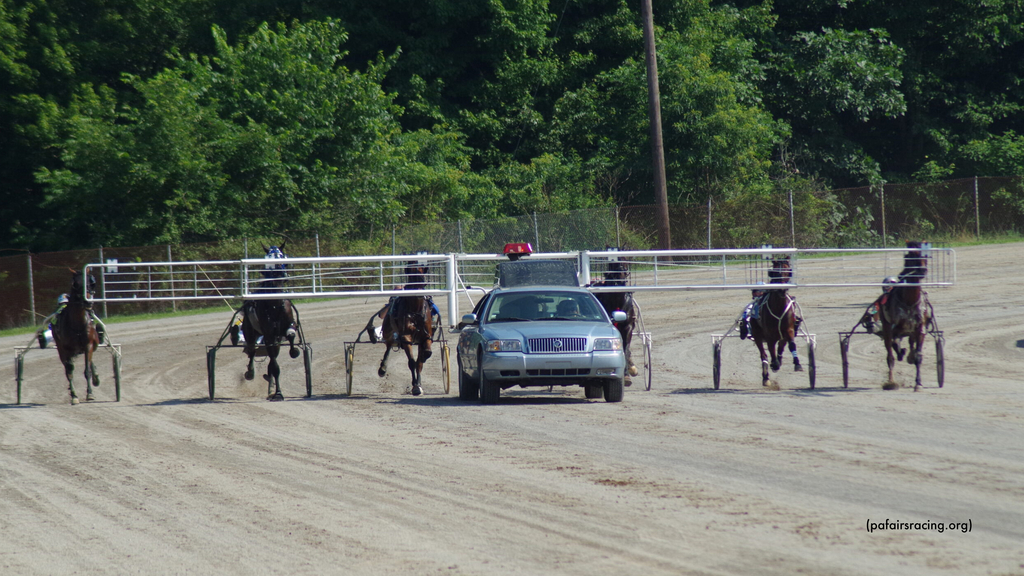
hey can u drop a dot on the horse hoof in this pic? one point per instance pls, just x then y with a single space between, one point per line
776 366
294 352
917 387
249 375
890 386
89 397
74 400
416 390
381 372
633 371
798 368
276 397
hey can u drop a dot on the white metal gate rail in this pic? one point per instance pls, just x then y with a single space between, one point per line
450 274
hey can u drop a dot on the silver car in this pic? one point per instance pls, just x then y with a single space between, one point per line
540 336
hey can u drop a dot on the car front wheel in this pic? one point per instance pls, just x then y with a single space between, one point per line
489 391
469 389
613 390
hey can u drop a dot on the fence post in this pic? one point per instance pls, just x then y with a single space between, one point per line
103 282
31 292
618 238
881 197
709 221
792 226
170 268
536 232
977 211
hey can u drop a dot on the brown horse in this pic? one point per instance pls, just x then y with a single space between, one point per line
406 322
774 321
905 313
75 333
617 274
273 319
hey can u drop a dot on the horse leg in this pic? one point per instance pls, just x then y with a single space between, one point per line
916 345
890 359
764 362
91 378
383 369
414 368
69 372
776 351
796 358
273 376
627 336
250 350
291 334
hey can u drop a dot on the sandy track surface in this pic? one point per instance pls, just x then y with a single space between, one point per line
683 479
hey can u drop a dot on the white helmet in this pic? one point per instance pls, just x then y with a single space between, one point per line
887 283
63 299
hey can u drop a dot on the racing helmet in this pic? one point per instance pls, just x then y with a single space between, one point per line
63 299
887 284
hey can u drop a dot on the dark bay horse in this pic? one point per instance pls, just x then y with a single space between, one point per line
775 322
905 313
617 274
75 333
406 322
273 319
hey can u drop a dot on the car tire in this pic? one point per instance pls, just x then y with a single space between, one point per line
593 391
614 390
468 388
489 391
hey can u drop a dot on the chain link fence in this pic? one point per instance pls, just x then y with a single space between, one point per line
868 217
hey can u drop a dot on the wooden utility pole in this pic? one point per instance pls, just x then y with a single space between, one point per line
654 114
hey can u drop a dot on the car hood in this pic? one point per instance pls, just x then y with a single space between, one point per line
549 329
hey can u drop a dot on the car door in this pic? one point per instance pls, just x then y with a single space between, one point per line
470 338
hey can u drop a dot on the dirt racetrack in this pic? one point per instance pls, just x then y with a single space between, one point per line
683 479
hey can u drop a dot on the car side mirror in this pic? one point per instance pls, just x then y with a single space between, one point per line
469 319
619 316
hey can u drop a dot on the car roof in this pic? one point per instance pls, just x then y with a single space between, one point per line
560 273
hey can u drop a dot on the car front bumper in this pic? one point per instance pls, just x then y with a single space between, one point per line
516 369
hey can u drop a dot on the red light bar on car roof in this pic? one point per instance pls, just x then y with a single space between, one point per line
518 248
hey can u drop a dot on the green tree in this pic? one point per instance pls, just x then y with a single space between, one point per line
272 135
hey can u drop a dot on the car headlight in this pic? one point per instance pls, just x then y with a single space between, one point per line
504 346
607 344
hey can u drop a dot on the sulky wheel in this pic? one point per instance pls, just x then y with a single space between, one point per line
211 367
446 372
844 349
117 376
940 360
307 362
811 367
647 374
717 356
350 352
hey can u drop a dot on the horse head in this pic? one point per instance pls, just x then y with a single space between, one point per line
415 275
915 265
617 273
274 273
781 271
82 283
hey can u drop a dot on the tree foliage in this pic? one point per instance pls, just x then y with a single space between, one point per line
127 121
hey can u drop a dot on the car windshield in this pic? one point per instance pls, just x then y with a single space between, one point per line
530 306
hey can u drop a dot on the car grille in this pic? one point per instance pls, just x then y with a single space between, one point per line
558 372
557 345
